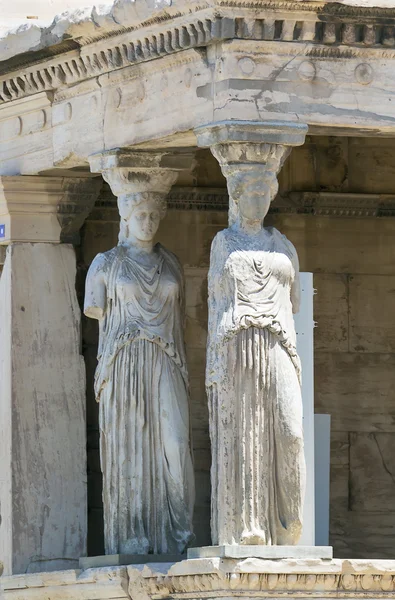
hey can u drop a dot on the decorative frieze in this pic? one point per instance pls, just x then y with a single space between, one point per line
331 204
315 203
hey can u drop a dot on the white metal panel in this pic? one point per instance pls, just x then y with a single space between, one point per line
304 325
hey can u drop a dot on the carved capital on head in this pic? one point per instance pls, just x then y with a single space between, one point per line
138 176
45 209
236 155
134 172
250 154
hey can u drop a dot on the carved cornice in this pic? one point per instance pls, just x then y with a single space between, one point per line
109 54
329 29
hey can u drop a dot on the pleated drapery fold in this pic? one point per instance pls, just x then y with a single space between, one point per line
257 445
146 463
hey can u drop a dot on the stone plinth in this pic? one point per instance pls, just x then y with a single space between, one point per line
212 579
117 560
265 552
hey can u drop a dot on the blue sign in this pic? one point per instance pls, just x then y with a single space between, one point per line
2 231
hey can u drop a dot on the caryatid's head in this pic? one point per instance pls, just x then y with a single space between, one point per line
141 214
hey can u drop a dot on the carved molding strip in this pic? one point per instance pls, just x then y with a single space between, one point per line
322 8
263 585
319 204
335 204
324 27
198 199
329 204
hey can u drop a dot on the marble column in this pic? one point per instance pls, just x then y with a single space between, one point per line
43 495
253 372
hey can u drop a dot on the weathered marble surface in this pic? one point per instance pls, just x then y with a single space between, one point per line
43 492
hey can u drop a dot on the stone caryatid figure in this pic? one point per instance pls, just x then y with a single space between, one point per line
253 370
136 292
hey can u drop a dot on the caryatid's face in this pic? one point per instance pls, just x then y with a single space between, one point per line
252 192
142 220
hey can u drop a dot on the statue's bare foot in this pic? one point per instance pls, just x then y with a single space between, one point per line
253 538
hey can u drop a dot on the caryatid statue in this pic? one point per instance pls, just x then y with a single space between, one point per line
253 371
136 291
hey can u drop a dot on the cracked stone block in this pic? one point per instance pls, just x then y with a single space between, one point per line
331 312
372 472
372 327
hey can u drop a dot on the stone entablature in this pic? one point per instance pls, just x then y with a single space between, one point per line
152 81
163 34
212 578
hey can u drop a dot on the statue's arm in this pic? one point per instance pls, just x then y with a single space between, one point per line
295 289
217 261
180 269
95 289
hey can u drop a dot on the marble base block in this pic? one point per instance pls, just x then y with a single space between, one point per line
213 579
265 552
117 560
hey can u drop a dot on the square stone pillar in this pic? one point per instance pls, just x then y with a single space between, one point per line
43 496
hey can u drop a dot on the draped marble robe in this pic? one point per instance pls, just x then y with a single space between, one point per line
253 387
141 382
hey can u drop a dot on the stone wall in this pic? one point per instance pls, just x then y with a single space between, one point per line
353 261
